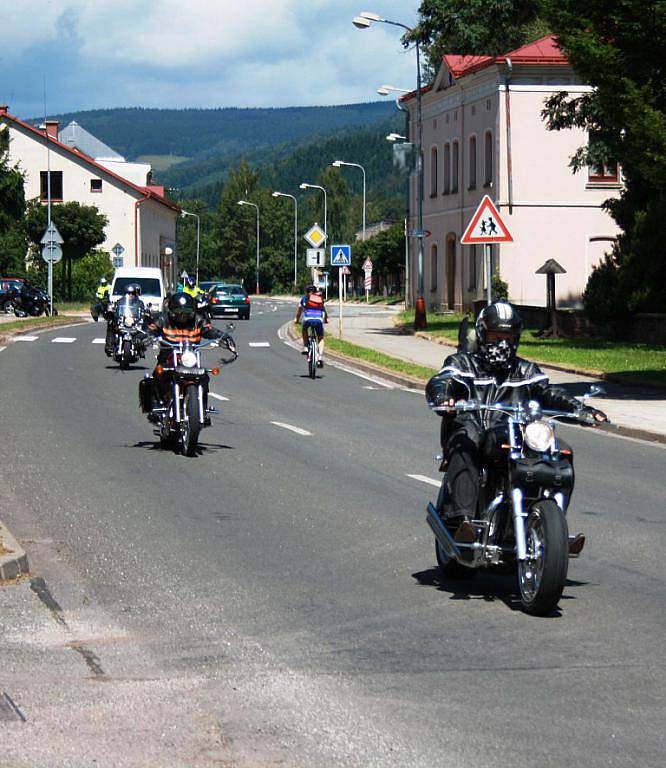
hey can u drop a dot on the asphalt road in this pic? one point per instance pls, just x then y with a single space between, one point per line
275 601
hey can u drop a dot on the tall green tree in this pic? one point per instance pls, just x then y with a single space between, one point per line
476 27
13 243
618 48
81 227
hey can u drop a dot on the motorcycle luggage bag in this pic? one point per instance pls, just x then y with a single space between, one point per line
543 473
146 394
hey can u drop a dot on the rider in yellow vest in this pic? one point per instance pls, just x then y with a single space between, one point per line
103 289
192 289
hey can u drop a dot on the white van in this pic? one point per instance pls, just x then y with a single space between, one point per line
150 281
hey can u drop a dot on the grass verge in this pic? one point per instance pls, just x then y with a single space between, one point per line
378 358
625 361
29 323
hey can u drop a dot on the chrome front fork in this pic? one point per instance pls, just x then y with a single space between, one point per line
200 398
176 402
519 524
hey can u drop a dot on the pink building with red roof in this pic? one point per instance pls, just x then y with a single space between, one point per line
483 134
140 218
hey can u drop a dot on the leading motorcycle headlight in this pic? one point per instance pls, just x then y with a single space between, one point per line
539 436
188 359
128 320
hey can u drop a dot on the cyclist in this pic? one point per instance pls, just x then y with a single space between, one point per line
311 308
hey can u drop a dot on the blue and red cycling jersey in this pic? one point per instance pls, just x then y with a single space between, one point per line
312 314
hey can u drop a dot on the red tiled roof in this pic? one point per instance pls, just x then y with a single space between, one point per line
459 64
147 192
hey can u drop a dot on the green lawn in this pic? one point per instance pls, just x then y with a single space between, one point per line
30 323
378 358
625 360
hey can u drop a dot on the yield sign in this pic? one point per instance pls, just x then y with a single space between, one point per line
51 235
486 226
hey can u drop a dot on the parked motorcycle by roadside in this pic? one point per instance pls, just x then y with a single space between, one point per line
29 301
180 411
520 526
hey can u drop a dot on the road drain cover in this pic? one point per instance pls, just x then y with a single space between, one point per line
9 710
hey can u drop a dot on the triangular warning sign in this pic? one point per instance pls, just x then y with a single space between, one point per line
486 226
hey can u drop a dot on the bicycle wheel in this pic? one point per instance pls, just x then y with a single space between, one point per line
312 355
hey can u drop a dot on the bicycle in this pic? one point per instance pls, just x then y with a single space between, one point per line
313 351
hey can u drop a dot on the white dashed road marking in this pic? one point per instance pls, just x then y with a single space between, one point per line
297 430
424 479
98 341
259 344
26 338
63 340
218 397
2 349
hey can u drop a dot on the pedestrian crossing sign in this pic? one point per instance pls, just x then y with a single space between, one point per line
486 226
340 255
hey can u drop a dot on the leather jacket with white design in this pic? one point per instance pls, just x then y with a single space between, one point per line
463 377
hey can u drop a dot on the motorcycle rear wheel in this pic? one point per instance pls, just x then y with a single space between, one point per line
190 425
541 577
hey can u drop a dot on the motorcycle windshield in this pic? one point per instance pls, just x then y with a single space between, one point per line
129 308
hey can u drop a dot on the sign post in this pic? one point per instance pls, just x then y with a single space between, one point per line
486 227
340 257
51 253
367 283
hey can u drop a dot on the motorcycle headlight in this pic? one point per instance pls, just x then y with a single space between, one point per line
539 436
188 359
128 320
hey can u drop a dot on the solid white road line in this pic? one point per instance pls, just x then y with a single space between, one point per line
424 479
26 338
63 340
297 430
98 341
218 397
259 344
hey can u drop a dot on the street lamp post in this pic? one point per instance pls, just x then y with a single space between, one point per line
285 194
305 185
254 205
363 21
198 218
337 164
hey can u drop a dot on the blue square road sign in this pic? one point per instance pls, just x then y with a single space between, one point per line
340 255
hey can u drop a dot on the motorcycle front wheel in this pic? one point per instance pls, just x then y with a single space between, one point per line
126 355
190 426
542 575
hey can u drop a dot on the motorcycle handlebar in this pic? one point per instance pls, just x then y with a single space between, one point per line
470 406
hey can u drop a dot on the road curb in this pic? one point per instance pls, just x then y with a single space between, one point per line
13 559
414 383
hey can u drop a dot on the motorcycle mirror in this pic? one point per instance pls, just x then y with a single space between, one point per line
229 326
595 390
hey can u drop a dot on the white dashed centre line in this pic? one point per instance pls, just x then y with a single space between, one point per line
290 427
259 344
63 340
98 341
2 349
26 338
424 479
218 397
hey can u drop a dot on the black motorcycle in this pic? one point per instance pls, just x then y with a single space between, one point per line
29 301
185 411
129 336
520 527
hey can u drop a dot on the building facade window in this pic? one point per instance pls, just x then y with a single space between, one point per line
95 185
447 169
455 156
472 162
433 172
56 186
433 268
488 160
602 171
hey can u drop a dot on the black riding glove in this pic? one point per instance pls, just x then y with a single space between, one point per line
591 415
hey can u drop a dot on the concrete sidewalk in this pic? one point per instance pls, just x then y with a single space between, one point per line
638 411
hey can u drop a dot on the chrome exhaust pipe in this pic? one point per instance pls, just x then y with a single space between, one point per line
442 535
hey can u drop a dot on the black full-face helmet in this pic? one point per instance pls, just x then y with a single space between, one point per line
498 328
134 289
181 309
311 289
190 282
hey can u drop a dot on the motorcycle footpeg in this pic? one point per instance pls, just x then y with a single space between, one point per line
576 544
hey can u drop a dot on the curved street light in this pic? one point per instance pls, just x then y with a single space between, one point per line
340 163
364 20
306 185
254 205
285 194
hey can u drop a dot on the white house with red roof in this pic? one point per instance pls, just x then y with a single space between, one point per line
141 220
483 134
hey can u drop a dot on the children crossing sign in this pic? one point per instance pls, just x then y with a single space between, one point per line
340 255
486 226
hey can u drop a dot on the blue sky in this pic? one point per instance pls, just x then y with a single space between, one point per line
197 53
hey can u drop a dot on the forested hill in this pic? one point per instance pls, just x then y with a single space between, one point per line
201 133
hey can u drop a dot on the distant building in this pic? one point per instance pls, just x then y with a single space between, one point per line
483 134
141 220
374 229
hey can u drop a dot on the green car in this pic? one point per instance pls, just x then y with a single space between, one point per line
229 300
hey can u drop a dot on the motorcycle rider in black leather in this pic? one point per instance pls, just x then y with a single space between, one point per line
181 322
492 373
